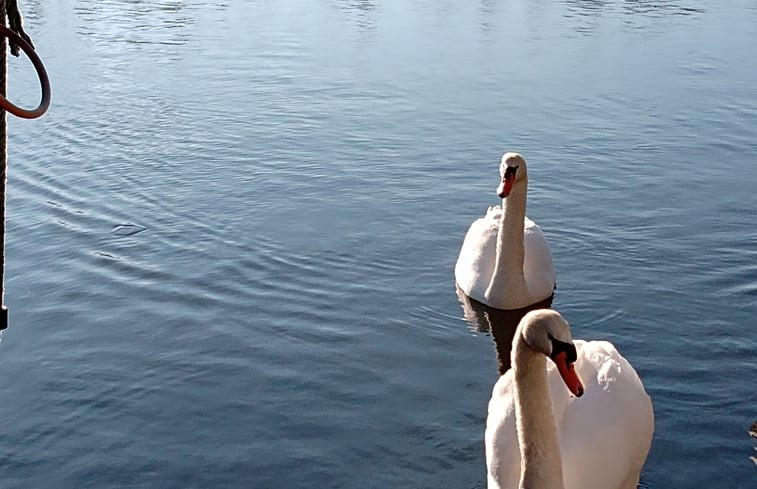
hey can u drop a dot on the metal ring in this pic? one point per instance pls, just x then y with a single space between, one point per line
44 81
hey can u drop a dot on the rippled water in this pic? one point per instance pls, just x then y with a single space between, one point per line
231 241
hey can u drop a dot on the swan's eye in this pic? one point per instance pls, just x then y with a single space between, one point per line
510 172
562 346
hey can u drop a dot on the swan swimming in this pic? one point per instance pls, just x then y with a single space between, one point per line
505 261
594 434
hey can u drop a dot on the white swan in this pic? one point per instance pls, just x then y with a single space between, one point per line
505 260
599 441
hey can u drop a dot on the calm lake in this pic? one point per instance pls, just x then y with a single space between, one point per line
231 240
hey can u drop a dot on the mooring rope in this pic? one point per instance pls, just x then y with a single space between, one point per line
16 24
3 168
18 40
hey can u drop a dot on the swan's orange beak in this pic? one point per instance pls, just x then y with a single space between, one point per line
506 186
568 374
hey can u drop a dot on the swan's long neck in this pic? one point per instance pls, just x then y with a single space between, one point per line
508 280
541 464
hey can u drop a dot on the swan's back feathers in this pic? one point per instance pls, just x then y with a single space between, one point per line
537 262
614 400
605 435
478 257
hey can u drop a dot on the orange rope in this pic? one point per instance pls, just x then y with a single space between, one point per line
44 80
18 39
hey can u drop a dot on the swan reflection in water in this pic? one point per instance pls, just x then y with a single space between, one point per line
500 323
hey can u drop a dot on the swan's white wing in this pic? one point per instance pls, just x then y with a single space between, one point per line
605 435
478 255
501 437
538 269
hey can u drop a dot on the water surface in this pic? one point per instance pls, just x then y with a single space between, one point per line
231 241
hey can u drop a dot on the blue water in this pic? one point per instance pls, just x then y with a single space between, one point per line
231 240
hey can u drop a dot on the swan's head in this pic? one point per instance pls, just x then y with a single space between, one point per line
545 331
513 171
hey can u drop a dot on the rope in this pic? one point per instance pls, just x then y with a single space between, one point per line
43 79
9 9
16 24
3 168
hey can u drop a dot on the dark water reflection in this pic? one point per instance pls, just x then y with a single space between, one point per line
644 8
148 22
362 13
634 14
500 324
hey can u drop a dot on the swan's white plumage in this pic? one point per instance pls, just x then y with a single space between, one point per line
605 435
478 255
